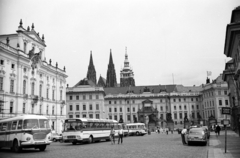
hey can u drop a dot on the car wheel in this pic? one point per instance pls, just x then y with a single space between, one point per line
16 148
54 139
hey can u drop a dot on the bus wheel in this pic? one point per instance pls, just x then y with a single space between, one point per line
90 140
137 133
74 143
16 148
42 148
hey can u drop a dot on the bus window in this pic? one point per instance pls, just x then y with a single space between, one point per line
0 126
30 123
14 125
19 124
9 126
43 123
4 126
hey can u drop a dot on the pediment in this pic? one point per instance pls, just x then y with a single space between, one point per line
35 36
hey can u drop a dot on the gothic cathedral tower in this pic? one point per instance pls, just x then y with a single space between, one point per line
126 74
91 74
111 74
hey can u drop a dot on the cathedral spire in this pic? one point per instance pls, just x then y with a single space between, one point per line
91 74
111 74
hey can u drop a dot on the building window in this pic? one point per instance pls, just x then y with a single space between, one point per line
84 97
53 94
90 97
40 109
90 107
70 108
115 102
161 116
32 92
47 93
110 117
13 66
90 115
226 102
97 106
185 114
109 102
179 99
53 110
97 96
160 100
11 107
47 110
175 115
220 102
133 109
77 107
110 109
77 97
84 107
11 86
191 99
180 115
185 107
180 107
40 90
97 116
77 116
192 107
60 94
115 117
225 92
197 107
166 108
193 115
24 107
115 109
61 111
175 122
128 117
32 108
24 86
128 102
70 116
161 108
174 100
175 108
120 109
128 109
133 101
70 97
2 62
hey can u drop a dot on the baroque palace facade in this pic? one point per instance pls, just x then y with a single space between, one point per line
28 83
131 103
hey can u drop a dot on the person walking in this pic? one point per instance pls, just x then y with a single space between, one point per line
183 132
112 135
120 135
218 129
167 131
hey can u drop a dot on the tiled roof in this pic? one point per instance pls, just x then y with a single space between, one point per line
181 88
139 89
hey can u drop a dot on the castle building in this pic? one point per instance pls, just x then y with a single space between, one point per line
126 74
28 83
91 73
111 80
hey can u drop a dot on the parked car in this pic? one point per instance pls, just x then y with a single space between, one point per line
56 137
206 131
196 135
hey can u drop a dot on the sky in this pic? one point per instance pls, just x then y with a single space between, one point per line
168 41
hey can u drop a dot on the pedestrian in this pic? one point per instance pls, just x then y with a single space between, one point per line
112 135
158 130
183 132
120 135
167 131
218 129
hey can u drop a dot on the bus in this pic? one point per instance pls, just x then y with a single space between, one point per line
80 130
25 131
138 129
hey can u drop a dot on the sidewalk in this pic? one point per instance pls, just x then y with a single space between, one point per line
217 145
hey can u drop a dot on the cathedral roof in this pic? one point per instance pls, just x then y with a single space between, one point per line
139 89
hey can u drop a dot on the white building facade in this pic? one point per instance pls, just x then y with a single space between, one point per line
28 83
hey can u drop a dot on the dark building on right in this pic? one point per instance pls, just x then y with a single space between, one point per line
231 74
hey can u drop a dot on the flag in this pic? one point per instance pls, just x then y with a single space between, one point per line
209 73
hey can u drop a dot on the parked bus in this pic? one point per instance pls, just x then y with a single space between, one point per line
87 130
124 127
25 131
136 129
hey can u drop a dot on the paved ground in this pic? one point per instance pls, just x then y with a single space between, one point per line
148 146
217 145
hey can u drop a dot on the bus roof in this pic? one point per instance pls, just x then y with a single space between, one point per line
21 117
129 124
93 120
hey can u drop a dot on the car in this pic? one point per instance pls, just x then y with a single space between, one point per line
196 135
206 131
56 137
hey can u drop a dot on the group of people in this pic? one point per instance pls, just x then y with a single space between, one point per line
120 135
161 130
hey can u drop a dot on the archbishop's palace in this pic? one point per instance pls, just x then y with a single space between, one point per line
31 84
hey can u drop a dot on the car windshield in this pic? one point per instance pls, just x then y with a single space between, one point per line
196 131
76 126
44 123
30 124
